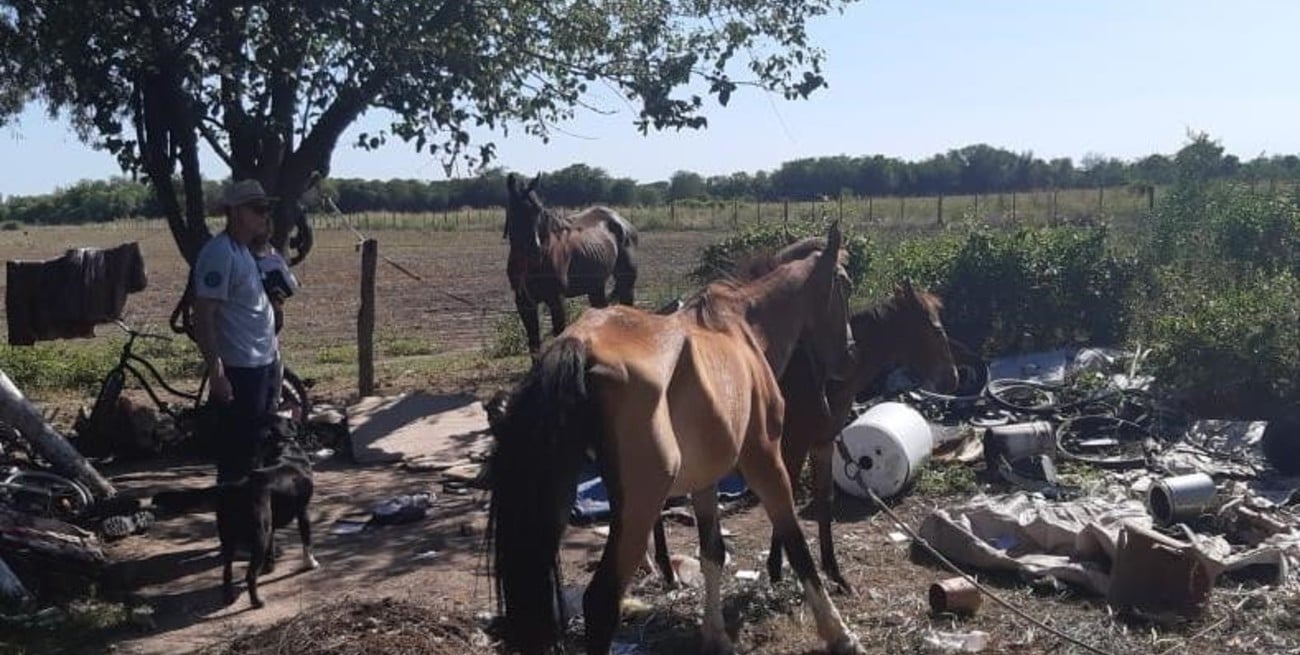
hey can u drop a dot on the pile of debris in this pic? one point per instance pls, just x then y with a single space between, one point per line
1168 505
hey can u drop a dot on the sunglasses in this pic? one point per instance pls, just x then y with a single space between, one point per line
260 208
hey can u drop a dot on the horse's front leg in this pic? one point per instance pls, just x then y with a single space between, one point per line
528 314
559 320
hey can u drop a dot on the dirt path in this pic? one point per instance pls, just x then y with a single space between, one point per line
176 568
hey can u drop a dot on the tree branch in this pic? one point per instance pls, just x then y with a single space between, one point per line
211 138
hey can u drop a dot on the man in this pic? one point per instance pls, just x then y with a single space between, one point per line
234 326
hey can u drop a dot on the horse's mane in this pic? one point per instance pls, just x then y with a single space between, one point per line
714 306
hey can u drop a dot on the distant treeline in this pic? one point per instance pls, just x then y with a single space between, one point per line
976 169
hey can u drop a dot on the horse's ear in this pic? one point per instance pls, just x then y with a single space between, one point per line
512 184
532 186
835 239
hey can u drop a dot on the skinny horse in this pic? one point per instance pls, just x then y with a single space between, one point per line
553 257
669 404
902 331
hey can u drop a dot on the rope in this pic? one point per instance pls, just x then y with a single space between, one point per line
857 477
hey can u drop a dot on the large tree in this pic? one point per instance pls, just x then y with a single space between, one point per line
271 86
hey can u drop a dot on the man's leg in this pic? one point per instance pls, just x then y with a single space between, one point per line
247 419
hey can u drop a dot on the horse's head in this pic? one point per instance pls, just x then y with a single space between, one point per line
922 342
523 214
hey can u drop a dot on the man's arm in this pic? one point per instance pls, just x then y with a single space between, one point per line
205 335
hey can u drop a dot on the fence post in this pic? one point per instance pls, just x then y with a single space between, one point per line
1055 216
1013 206
841 207
870 213
1101 199
902 209
672 212
785 213
939 210
366 319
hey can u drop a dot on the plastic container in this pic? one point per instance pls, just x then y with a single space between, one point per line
889 443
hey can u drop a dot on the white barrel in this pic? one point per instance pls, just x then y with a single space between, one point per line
890 442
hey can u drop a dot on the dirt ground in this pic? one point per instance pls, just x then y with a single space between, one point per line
438 563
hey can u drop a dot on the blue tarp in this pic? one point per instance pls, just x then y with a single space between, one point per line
592 500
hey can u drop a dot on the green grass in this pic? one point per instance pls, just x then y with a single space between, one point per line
946 479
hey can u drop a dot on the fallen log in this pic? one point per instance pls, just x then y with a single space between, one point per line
18 412
11 588
49 538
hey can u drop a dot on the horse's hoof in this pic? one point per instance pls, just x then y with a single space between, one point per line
841 587
309 563
717 647
847 644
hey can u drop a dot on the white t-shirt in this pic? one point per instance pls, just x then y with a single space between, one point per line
245 323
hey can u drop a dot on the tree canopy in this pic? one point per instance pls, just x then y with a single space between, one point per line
272 86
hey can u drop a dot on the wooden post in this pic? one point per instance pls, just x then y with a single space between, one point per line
785 213
841 207
1151 196
1013 206
939 210
870 213
1101 199
19 413
902 209
366 319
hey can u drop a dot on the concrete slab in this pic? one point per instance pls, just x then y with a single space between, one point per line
418 425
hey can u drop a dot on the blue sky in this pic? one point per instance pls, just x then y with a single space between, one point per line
908 78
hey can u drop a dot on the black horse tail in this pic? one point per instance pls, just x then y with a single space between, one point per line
541 444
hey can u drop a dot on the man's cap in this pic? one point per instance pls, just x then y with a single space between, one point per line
244 192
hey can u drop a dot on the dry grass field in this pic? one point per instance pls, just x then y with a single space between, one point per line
428 339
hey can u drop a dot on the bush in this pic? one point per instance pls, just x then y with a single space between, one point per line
1025 289
724 257
1232 352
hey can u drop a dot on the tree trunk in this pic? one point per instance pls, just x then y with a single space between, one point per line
18 412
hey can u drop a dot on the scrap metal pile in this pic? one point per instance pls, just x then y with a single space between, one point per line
1149 509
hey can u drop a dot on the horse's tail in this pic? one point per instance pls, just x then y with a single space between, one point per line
625 268
541 443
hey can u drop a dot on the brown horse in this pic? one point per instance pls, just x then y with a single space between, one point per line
669 405
553 257
903 331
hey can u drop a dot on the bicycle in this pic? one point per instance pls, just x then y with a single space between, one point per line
294 401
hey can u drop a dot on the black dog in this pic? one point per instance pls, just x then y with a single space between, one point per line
250 510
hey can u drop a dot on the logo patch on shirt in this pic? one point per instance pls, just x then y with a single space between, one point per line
212 279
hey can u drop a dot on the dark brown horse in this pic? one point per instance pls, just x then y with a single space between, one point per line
670 404
553 257
903 331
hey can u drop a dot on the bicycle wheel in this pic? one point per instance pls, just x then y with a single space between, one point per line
46 493
293 397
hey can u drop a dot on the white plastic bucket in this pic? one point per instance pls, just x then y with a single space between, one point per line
889 443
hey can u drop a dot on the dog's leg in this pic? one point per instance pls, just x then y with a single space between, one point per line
227 572
304 531
269 566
